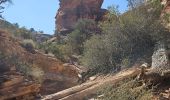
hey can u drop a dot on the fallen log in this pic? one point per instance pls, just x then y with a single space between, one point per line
69 91
87 89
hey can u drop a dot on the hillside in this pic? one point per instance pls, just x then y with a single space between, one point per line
23 33
95 54
52 69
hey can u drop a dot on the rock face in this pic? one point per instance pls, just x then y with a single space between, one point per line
56 76
72 10
14 86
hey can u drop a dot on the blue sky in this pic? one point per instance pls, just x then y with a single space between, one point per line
39 14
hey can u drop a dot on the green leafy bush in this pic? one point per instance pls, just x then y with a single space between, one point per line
55 48
98 54
24 68
29 45
83 30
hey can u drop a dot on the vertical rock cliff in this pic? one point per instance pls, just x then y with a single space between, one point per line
72 10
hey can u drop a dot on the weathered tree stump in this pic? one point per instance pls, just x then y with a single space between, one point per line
160 69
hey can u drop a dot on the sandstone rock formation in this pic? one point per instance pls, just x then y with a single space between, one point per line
15 86
72 10
56 76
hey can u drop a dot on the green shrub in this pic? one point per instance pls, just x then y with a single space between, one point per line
26 68
23 68
37 73
56 49
97 54
131 35
125 63
24 33
4 63
28 44
8 61
83 30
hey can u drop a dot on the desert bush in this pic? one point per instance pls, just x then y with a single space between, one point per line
98 54
4 63
55 48
131 35
29 45
25 33
125 63
8 61
30 70
37 73
24 68
83 30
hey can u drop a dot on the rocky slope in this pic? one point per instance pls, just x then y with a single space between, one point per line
15 86
19 32
152 74
56 76
72 10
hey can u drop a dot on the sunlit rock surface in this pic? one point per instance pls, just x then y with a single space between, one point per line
71 11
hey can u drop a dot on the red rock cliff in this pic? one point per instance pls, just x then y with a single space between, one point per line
72 10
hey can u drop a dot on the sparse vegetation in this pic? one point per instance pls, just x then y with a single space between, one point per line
131 36
84 29
118 41
126 90
26 68
98 54
37 73
30 70
4 63
29 45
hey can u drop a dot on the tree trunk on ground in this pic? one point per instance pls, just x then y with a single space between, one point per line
88 89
